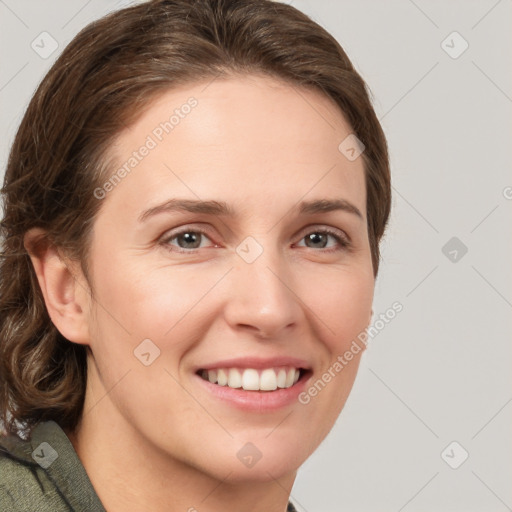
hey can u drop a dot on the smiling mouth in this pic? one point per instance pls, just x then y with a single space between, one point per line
250 379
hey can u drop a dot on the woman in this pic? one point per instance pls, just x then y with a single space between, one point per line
193 207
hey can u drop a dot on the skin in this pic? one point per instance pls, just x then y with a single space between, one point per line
150 437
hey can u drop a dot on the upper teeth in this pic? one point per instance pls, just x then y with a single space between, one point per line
250 379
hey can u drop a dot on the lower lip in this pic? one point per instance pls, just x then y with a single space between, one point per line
257 401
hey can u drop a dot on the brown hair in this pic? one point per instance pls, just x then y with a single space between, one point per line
99 85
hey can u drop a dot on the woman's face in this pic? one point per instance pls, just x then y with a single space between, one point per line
254 284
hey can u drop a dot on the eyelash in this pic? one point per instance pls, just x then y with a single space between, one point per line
343 243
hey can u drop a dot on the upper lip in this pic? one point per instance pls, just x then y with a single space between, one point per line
256 363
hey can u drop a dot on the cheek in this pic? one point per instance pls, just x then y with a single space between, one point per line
157 301
153 301
342 302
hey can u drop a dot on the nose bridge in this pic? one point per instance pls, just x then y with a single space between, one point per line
261 295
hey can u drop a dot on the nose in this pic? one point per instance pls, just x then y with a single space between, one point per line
263 298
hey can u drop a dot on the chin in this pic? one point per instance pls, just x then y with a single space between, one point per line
273 468
261 461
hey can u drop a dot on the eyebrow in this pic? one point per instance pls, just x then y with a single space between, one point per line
220 208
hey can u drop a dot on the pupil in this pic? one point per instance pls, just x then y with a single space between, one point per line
189 238
314 237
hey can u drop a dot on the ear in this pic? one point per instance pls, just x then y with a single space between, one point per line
65 290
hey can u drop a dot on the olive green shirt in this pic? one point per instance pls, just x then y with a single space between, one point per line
45 474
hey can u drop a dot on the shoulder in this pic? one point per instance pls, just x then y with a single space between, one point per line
24 482
23 487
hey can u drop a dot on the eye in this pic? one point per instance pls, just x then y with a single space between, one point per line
319 237
185 239
189 240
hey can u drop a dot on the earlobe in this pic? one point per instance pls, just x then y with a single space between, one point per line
66 299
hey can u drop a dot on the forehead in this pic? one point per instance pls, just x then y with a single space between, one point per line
246 138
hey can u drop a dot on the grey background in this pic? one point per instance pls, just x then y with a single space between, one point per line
440 371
